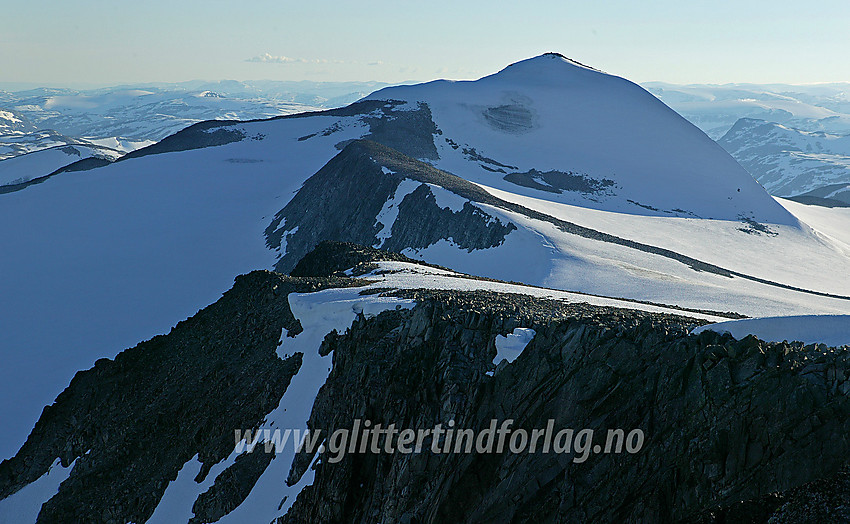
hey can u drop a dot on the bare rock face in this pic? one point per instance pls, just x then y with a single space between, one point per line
724 420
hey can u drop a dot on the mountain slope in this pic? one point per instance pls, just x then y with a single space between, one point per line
373 195
547 173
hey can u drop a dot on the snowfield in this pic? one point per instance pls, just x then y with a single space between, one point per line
24 505
831 223
549 113
97 261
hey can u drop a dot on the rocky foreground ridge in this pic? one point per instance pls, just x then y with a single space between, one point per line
725 421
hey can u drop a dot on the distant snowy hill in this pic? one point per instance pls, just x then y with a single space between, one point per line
788 161
129 117
793 139
19 170
548 173
715 108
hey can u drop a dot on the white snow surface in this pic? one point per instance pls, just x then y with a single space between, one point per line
406 275
832 330
832 223
446 199
120 144
812 266
94 262
176 503
386 217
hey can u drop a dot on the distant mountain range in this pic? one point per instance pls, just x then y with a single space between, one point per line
789 161
793 139
128 117
715 108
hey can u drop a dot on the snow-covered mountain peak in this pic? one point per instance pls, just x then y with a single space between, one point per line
551 128
553 68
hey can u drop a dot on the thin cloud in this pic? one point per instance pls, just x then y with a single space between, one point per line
272 59
268 58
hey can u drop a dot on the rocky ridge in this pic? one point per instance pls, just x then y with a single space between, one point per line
725 420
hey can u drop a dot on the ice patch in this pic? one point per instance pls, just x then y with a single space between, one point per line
283 238
509 347
181 493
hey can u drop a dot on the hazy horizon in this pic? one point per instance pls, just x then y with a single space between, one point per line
82 86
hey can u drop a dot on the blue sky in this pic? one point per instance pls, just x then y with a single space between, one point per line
685 41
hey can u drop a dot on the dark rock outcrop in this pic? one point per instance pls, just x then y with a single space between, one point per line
342 201
724 420
559 181
409 131
332 258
